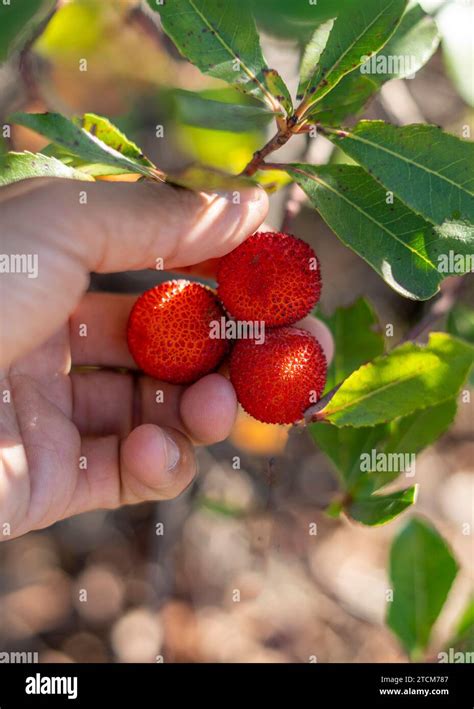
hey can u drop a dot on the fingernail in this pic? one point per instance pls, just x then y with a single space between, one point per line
172 452
248 195
256 194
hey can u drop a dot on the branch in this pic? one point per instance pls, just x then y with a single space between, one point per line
273 166
291 127
26 65
145 23
259 156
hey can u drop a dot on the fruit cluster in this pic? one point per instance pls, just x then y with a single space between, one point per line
272 279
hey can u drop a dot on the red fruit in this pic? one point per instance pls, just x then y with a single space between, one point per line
272 277
278 380
168 332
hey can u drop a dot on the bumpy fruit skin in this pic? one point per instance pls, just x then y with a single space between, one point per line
271 277
168 332
278 380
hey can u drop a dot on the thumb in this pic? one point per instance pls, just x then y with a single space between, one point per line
77 227
155 464
130 226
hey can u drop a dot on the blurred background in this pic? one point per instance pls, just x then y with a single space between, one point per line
245 566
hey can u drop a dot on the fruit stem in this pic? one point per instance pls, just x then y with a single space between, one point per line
317 411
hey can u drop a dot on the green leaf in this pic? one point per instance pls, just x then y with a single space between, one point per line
358 32
411 377
431 171
461 322
221 39
78 141
19 21
312 55
345 446
409 48
357 339
196 109
346 99
409 253
95 169
297 19
105 131
334 509
355 343
199 177
225 150
405 436
413 433
278 89
408 436
21 166
463 640
413 43
422 570
380 509
82 28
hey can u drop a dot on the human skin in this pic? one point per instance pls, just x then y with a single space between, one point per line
75 441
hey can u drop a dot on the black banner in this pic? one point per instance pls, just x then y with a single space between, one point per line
380 685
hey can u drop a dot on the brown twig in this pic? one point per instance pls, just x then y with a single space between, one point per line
278 140
283 135
144 22
271 478
26 66
27 72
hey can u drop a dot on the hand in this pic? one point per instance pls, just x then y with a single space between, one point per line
70 441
